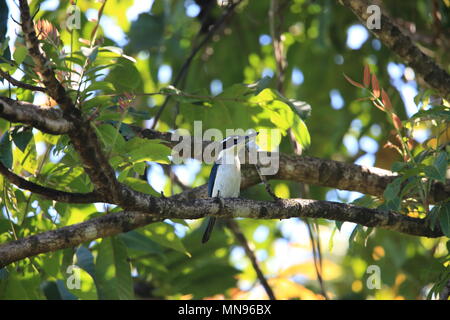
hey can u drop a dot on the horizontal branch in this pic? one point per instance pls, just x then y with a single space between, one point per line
322 172
48 120
49 193
402 45
71 236
328 173
20 84
159 209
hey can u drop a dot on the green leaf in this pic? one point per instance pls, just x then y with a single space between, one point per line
164 234
433 216
393 189
139 168
365 201
399 166
104 86
118 51
51 290
433 173
52 263
137 241
112 270
124 76
63 292
146 32
439 169
444 218
22 138
111 137
139 149
12 288
140 185
6 156
4 40
28 158
78 283
90 53
301 132
352 237
85 260
19 54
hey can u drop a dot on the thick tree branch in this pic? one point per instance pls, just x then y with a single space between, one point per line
84 138
327 173
49 193
71 236
158 209
53 87
402 45
44 119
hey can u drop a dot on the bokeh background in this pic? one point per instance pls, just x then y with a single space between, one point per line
321 41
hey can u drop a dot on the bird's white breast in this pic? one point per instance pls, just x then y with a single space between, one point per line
228 180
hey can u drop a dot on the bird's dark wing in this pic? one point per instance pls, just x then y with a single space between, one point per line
212 179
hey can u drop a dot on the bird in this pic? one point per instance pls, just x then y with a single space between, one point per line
225 177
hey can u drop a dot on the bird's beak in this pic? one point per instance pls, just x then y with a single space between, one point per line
251 135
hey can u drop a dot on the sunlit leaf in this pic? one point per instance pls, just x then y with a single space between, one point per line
164 234
112 269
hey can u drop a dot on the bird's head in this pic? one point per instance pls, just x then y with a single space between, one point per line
232 144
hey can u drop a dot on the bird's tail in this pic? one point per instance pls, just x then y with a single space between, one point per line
209 229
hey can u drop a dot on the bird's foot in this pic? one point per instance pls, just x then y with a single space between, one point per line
219 201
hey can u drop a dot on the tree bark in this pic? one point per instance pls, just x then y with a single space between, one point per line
393 38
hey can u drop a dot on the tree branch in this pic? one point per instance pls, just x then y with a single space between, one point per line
18 83
84 139
242 240
53 87
195 50
71 236
159 209
327 173
402 45
49 193
46 120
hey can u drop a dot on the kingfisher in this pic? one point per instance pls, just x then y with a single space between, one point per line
225 177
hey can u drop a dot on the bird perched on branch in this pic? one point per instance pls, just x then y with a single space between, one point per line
225 177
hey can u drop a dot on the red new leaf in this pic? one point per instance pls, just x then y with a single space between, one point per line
366 76
353 82
396 121
386 101
375 86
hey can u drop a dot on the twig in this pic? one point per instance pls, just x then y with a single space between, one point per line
240 237
20 84
266 184
281 66
53 194
401 44
277 45
194 51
